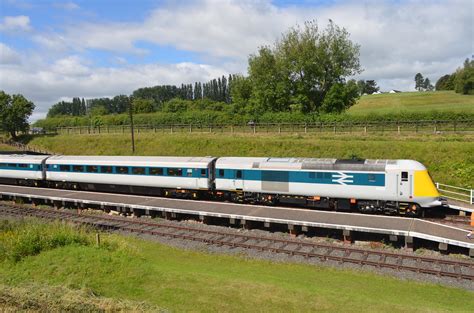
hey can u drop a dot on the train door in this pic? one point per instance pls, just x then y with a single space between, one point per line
405 185
239 179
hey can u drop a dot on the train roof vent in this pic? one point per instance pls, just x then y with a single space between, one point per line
350 161
256 165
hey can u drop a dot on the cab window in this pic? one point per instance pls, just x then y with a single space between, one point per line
404 176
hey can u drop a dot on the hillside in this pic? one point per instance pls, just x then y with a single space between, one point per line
441 101
438 105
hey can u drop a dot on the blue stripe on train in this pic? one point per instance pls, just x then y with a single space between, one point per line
335 178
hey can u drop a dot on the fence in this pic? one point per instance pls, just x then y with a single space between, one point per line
388 127
456 193
22 147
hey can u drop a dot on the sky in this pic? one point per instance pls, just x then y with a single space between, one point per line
56 50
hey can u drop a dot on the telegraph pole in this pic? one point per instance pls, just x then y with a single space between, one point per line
131 126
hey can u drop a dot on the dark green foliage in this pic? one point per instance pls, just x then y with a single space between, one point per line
419 81
445 82
14 113
340 97
302 68
367 86
464 81
75 108
142 105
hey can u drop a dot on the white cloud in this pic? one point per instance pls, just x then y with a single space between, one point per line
66 5
398 39
15 23
73 77
8 55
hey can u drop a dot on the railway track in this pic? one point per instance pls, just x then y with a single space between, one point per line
458 269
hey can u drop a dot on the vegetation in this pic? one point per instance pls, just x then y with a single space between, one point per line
407 106
461 81
449 158
423 84
442 105
140 275
14 113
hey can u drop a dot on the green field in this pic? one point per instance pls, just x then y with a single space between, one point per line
413 102
59 268
450 159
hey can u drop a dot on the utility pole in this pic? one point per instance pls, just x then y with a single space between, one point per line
131 126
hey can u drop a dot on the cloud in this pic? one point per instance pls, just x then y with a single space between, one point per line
66 5
72 76
8 56
15 23
398 39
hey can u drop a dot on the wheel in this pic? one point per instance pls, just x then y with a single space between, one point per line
413 210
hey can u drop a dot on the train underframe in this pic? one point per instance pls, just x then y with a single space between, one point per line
314 202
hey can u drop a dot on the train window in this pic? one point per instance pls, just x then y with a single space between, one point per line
203 172
238 174
138 170
106 169
64 168
189 172
92 169
221 173
78 168
312 175
122 169
371 178
319 175
404 176
175 172
11 165
327 175
156 171
23 165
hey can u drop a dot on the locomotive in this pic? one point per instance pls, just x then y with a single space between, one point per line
393 187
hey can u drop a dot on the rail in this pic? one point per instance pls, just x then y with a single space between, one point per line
456 193
385 127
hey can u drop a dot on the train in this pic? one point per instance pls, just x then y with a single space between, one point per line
392 187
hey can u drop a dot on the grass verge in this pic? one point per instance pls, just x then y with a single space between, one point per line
151 276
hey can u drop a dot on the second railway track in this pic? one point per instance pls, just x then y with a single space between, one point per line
458 269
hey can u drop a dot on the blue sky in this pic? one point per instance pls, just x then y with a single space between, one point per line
54 50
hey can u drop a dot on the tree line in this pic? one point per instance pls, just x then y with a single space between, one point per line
461 81
304 71
147 99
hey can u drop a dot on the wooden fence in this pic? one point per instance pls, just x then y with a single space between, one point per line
389 127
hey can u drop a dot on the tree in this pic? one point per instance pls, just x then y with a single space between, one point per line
14 112
367 87
340 97
419 81
302 67
445 82
464 81
142 105
427 84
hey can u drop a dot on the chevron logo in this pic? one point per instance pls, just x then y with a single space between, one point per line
342 178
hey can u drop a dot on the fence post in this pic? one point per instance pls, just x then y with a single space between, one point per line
254 128
305 128
365 129
279 128
454 125
334 127
435 128
437 186
398 129
471 201
190 128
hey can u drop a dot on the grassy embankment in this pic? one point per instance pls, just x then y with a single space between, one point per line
55 267
450 159
413 102
408 106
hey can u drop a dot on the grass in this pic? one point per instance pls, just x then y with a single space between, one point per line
442 101
157 276
449 158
